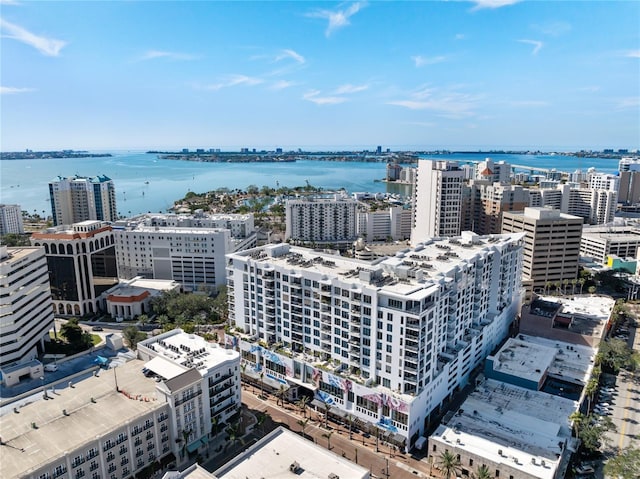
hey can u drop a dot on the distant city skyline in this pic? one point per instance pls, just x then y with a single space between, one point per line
486 74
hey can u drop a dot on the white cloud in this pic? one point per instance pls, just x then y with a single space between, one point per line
337 18
460 36
447 103
153 54
421 61
47 46
629 102
348 88
591 88
553 29
529 103
287 53
282 84
480 4
9 90
633 54
9 2
233 80
537 45
314 96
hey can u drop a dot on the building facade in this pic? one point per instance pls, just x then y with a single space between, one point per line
600 242
437 200
321 220
387 341
11 220
394 223
76 199
201 384
552 245
81 259
26 311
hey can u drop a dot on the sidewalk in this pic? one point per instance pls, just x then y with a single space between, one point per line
385 462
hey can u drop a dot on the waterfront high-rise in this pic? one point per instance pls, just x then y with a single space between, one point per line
387 341
321 220
26 312
79 198
437 200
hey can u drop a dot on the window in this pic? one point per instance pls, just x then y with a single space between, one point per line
110 456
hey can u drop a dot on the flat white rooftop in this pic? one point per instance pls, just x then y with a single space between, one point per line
188 351
25 448
572 362
409 271
511 425
274 455
525 360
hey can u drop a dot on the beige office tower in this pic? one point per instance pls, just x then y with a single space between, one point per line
437 201
552 245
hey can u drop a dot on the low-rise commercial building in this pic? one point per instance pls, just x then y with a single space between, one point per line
131 298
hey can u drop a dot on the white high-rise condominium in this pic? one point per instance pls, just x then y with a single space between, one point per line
386 341
437 201
11 220
26 312
78 198
321 220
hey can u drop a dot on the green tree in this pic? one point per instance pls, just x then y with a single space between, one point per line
326 414
449 464
302 404
132 336
625 465
282 392
616 354
482 472
233 430
303 424
13 239
576 418
590 390
328 435
72 332
261 419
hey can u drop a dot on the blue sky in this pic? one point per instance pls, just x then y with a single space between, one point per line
404 75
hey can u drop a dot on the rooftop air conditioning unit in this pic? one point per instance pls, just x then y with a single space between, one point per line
333 476
294 467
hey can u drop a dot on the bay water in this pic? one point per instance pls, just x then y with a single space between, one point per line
146 183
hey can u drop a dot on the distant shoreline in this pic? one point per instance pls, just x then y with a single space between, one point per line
40 155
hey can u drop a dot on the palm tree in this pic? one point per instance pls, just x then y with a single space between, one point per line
328 436
547 287
326 414
482 473
303 424
590 390
576 418
214 424
282 391
349 419
581 282
565 283
233 430
260 420
302 404
449 464
574 281
261 382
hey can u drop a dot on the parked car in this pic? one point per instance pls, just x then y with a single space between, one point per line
585 469
96 328
51 367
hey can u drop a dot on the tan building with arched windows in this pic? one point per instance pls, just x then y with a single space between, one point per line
82 265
